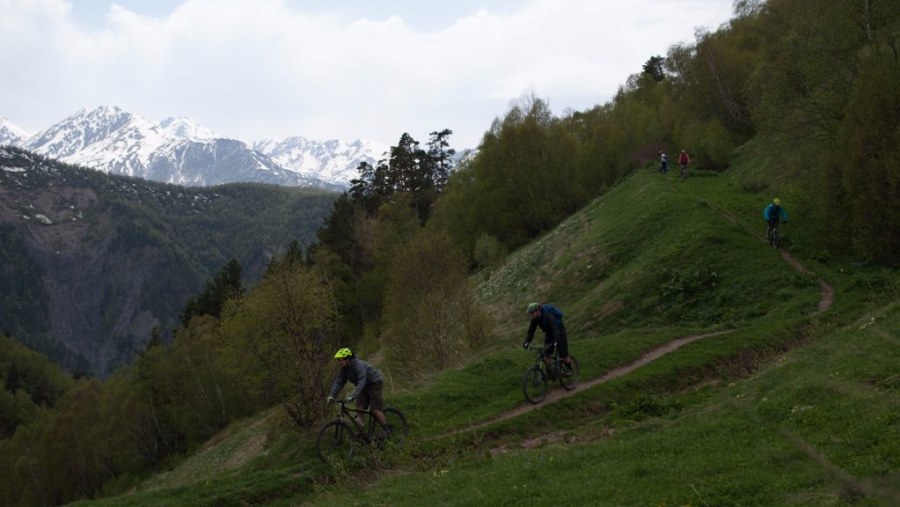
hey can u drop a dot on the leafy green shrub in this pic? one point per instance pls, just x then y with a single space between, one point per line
489 251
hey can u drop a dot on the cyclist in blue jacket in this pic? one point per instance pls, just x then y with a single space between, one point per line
772 213
550 319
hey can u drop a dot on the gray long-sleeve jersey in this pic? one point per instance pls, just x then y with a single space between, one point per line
358 373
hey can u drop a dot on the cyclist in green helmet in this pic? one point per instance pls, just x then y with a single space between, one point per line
368 381
550 319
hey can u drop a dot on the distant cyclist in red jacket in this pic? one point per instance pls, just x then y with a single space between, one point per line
683 161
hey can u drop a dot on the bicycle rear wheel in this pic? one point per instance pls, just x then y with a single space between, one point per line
399 430
569 376
336 442
534 384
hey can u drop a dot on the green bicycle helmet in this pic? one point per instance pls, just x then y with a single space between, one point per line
531 307
344 353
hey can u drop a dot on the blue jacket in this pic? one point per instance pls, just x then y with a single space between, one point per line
358 373
772 212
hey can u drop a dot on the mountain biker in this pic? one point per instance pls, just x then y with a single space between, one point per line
772 213
663 163
368 381
683 161
549 319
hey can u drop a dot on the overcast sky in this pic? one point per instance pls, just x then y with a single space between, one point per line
324 69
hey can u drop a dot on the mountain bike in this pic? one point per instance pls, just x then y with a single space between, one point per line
684 171
534 384
773 236
352 428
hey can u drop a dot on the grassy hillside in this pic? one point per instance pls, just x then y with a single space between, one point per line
795 402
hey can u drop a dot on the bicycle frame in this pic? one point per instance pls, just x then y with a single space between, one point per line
339 437
534 383
554 358
773 235
366 428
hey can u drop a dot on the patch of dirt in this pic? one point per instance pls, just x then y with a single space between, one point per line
250 449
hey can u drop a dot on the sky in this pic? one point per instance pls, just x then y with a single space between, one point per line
331 69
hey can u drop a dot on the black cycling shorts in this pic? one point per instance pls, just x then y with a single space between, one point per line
562 343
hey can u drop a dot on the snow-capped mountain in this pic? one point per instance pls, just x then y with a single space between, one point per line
11 133
332 161
183 152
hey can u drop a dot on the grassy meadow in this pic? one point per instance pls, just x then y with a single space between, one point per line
794 405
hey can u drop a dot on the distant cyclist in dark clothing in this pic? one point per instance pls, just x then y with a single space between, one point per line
550 320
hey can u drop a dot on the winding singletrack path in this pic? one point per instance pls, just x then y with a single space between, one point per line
557 394
825 301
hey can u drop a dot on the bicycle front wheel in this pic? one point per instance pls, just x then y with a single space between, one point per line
399 430
336 442
535 384
569 376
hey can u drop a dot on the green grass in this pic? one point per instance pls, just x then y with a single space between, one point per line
790 407
813 428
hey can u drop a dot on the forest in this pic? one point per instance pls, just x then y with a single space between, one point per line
91 262
813 88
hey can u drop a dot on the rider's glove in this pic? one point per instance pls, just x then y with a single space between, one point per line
329 400
525 345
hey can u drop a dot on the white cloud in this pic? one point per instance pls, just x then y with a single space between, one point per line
259 68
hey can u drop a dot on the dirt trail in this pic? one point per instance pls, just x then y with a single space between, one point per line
827 291
555 392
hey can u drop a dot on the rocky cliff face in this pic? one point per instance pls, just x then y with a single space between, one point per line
91 263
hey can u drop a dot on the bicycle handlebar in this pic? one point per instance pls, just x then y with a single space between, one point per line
347 406
544 350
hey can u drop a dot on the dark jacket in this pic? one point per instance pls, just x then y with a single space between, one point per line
552 326
358 373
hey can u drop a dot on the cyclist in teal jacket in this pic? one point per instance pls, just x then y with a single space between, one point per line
773 211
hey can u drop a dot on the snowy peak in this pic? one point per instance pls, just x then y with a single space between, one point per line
181 151
184 128
10 133
333 161
79 131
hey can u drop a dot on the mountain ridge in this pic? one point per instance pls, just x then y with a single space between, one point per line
179 150
92 262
